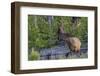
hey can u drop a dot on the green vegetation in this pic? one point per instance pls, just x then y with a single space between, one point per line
42 30
34 55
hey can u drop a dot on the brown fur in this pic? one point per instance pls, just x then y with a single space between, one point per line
73 43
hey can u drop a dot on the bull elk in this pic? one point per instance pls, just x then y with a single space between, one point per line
73 42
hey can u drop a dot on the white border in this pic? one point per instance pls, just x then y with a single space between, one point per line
25 64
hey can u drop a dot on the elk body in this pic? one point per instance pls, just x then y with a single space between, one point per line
73 43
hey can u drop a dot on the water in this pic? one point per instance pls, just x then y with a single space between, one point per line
61 52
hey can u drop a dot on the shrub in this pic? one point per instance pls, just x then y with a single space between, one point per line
34 55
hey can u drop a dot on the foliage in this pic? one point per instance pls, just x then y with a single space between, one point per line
34 55
43 34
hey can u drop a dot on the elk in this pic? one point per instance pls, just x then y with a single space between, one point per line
73 42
